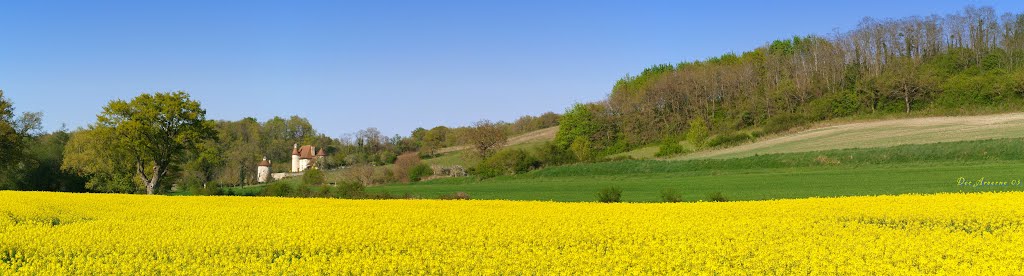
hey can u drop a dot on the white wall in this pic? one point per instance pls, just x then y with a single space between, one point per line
263 174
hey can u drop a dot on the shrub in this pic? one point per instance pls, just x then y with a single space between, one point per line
717 197
757 133
387 177
967 89
670 195
609 195
670 148
617 158
835 105
728 139
365 174
551 154
419 172
313 176
577 122
303 190
324 191
698 132
404 165
277 189
582 149
783 122
506 162
455 196
211 189
350 189
388 195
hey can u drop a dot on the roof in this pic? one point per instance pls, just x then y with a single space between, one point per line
304 152
264 163
321 153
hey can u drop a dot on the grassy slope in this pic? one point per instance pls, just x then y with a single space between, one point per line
535 136
927 168
884 133
468 159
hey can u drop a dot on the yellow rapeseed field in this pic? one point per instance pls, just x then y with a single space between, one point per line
56 233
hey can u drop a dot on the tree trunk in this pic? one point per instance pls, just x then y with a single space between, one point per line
906 100
151 184
906 96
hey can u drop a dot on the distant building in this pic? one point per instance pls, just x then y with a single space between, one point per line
306 157
303 158
263 171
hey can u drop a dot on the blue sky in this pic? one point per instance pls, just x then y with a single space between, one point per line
387 64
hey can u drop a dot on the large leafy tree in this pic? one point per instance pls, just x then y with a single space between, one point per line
95 154
10 139
153 133
240 149
577 123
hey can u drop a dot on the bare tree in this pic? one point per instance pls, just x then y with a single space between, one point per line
486 138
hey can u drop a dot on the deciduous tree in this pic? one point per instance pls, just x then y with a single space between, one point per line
486 138
155 132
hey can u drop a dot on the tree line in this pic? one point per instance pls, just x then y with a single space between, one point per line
949 64
157 141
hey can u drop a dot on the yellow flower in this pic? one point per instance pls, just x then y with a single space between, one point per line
56 233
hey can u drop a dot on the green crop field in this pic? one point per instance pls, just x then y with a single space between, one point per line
929 168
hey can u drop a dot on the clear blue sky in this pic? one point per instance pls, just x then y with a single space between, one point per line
392 65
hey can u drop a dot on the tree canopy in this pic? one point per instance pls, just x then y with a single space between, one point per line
152 132
10 140
955 63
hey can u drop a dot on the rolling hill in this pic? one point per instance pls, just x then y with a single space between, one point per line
873 134
539 135
898 156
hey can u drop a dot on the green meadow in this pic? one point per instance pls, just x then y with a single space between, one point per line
927 168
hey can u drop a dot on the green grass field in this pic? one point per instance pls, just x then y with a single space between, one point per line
929 168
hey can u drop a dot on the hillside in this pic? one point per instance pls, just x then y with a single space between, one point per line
540 135
459 155
927 168
875 134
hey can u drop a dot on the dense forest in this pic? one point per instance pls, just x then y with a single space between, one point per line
958 63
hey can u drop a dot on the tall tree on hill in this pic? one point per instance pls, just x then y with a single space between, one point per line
435 139
486 138
908 80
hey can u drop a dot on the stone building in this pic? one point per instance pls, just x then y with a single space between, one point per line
263 171
306 157
303 158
